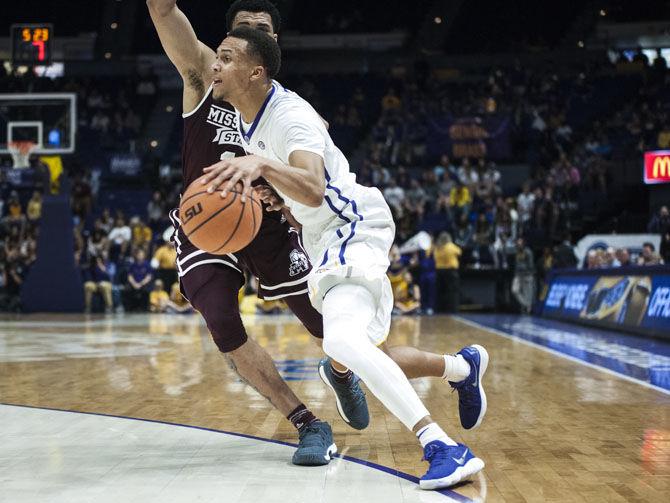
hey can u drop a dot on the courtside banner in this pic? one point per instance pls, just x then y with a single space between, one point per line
657 167
631 299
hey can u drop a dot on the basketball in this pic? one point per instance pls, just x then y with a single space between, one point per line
216 224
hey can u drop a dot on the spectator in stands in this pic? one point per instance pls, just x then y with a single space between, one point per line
660 222
34 210
447 263
155 211
663 138
523 284
158 298
483 241
161 302
593 260
164 262
407 295
181 304
427 281
416 196
649 255
141 234
28 249
119 238
664 251
524 203
445 169
106 220
100 122
13 275
394 195
390 101
99 280
610 258
623 257
98 243
460 201
139 277
14 208
564 255
82 197
468 175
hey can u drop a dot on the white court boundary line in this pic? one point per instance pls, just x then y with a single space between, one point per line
535 345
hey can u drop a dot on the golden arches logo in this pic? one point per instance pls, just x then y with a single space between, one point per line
661 167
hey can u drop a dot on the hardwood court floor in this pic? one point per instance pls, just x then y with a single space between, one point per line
555 430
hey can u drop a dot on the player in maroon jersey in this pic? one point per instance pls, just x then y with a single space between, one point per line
211 282
275 257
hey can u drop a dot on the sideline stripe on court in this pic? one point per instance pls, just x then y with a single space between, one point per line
446 492
554 352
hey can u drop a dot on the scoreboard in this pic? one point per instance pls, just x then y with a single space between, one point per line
32 44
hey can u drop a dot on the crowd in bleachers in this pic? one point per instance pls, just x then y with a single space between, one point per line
19 228
569 127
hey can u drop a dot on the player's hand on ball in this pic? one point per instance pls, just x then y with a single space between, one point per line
268 195
226 173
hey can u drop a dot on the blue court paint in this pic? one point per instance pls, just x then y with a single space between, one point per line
644 360
406 476
298 370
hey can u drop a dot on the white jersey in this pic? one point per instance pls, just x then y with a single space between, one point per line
286 123
349 236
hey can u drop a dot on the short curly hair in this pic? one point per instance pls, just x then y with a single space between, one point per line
253 6
262 46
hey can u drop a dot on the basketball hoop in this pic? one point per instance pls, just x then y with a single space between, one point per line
21 151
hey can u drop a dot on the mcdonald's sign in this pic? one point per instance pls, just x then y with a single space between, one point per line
657 166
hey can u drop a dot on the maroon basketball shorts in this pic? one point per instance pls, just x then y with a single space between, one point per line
211 282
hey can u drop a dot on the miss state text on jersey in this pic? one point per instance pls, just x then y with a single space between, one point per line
225 122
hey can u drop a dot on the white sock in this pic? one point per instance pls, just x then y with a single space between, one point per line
348 309
455 368
432 432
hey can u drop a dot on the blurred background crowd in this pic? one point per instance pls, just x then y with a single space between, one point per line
546 162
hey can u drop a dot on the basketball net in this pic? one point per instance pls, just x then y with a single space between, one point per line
20 151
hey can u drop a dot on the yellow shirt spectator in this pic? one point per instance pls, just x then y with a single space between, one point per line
141 235
166 256
177 297
447 256
664 139
459 196
34 210
158 300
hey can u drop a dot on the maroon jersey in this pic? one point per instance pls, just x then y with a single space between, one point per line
275 256
210 134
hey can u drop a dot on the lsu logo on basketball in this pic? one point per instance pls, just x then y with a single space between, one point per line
192 211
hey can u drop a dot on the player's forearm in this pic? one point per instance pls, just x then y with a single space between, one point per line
178 39
301 185
161 7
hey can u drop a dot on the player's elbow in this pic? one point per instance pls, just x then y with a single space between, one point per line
314 199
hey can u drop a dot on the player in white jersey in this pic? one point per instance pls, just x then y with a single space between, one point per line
347 230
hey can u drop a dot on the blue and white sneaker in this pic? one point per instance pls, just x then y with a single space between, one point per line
471 396
349 398
449 465
316 445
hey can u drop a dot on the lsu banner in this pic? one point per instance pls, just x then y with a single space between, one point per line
657 167
485 136
637 300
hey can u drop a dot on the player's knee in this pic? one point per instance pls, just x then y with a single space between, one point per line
340 345
226 328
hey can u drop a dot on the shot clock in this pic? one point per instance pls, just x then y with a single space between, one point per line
32 43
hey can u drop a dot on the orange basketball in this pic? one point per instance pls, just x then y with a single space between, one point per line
218 224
